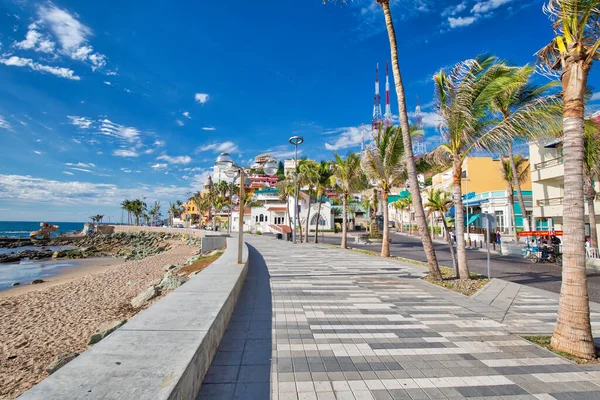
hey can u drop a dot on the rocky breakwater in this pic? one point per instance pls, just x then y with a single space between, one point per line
129 246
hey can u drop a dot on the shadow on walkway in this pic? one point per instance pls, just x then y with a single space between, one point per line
241 368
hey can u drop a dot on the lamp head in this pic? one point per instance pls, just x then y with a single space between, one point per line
270 167
296 140
224 161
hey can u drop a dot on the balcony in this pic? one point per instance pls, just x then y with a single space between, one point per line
549 169
552 207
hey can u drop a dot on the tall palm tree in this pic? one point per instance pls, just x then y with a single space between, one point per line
353 208
440 202
126 205
155 212
324 174
285 187
138 208
529 107
463 101
591 172
573 51
174 210
506 171
308 175
349 178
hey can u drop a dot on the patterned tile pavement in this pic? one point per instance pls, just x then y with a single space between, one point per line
316 322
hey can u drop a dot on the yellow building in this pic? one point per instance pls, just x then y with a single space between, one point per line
479 174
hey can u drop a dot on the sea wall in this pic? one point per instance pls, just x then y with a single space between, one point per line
213 242
164 351
182 231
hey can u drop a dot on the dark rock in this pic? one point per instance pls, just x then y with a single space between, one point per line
15 284
37 281
60 361
104 330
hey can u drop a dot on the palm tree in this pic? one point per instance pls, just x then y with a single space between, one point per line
126 205
155 212
526 109
572 51
405 204
174 210
349 178
308 175
138 208
506 170
324 175
591 171
285 187
464 97
353 208
440 202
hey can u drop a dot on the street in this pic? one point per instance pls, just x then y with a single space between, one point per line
545 276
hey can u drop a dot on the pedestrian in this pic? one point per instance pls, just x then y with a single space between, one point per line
498 237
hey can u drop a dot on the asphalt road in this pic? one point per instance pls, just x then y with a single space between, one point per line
545 276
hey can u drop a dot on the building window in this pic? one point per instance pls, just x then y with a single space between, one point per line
262 218
257 219
499 219
313 220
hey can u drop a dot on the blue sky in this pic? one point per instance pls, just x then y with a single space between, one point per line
100 101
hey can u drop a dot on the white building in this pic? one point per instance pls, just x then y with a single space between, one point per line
548 184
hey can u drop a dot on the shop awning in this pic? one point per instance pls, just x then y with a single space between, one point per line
472 218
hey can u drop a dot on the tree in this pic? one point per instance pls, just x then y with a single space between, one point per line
463 101
349 177
323 180
528 110
308 176
572 51
155 213
138 209
521 165
280 172
285 187
440 202
126 205
174 211
591 171
353 208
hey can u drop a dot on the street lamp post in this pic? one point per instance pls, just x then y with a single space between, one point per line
225 162
296 140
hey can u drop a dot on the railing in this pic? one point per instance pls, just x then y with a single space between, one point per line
549 163
592 253
555 201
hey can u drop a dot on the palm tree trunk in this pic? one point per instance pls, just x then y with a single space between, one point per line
434 270
451 244
344 221
298 223
318 219
402 220
385 244
459 223
573 332
308 218
517 186
590 195
289 215
513 215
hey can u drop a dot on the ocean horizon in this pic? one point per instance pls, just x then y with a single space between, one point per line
17 229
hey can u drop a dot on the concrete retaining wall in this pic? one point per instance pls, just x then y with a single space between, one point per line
164 351
180 231
210 243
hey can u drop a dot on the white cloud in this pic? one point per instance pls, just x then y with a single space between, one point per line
3 123
127 90
107 83
179 122
71 34
15 61
124 133
175 160
36 41
159 143
126 170
111 73
208 128
430 119
348 137
148 151
125 153
83 170
225 147
201 97
186 114
488 5
453 10
80 122
39 153
81 165
68 173
281 152
460 21
595 96
160 166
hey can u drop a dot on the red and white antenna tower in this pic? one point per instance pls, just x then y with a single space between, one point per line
377 116
387 117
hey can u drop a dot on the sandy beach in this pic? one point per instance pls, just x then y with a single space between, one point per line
42 321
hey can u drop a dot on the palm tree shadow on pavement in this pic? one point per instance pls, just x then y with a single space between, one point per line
241 369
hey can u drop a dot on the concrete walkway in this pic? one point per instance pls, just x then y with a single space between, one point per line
316 322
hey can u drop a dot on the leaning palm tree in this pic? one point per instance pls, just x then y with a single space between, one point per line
523 105
521 165
308 175
409 160
591 172
324 174
572 52
440 202
349 177
463 101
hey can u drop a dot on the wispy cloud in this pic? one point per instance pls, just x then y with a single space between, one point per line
461 21
160 166
107 83
201 97
159 143
208 128
125 153
282 152
455 9
61 72
36 41
175 160
81 165
68 173
225 147
80 122
186 114
123 133
488 5
347 137
179 122
3 123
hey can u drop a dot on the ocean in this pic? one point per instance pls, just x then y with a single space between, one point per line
23 228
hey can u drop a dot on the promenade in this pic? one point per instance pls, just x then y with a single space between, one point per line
317 322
